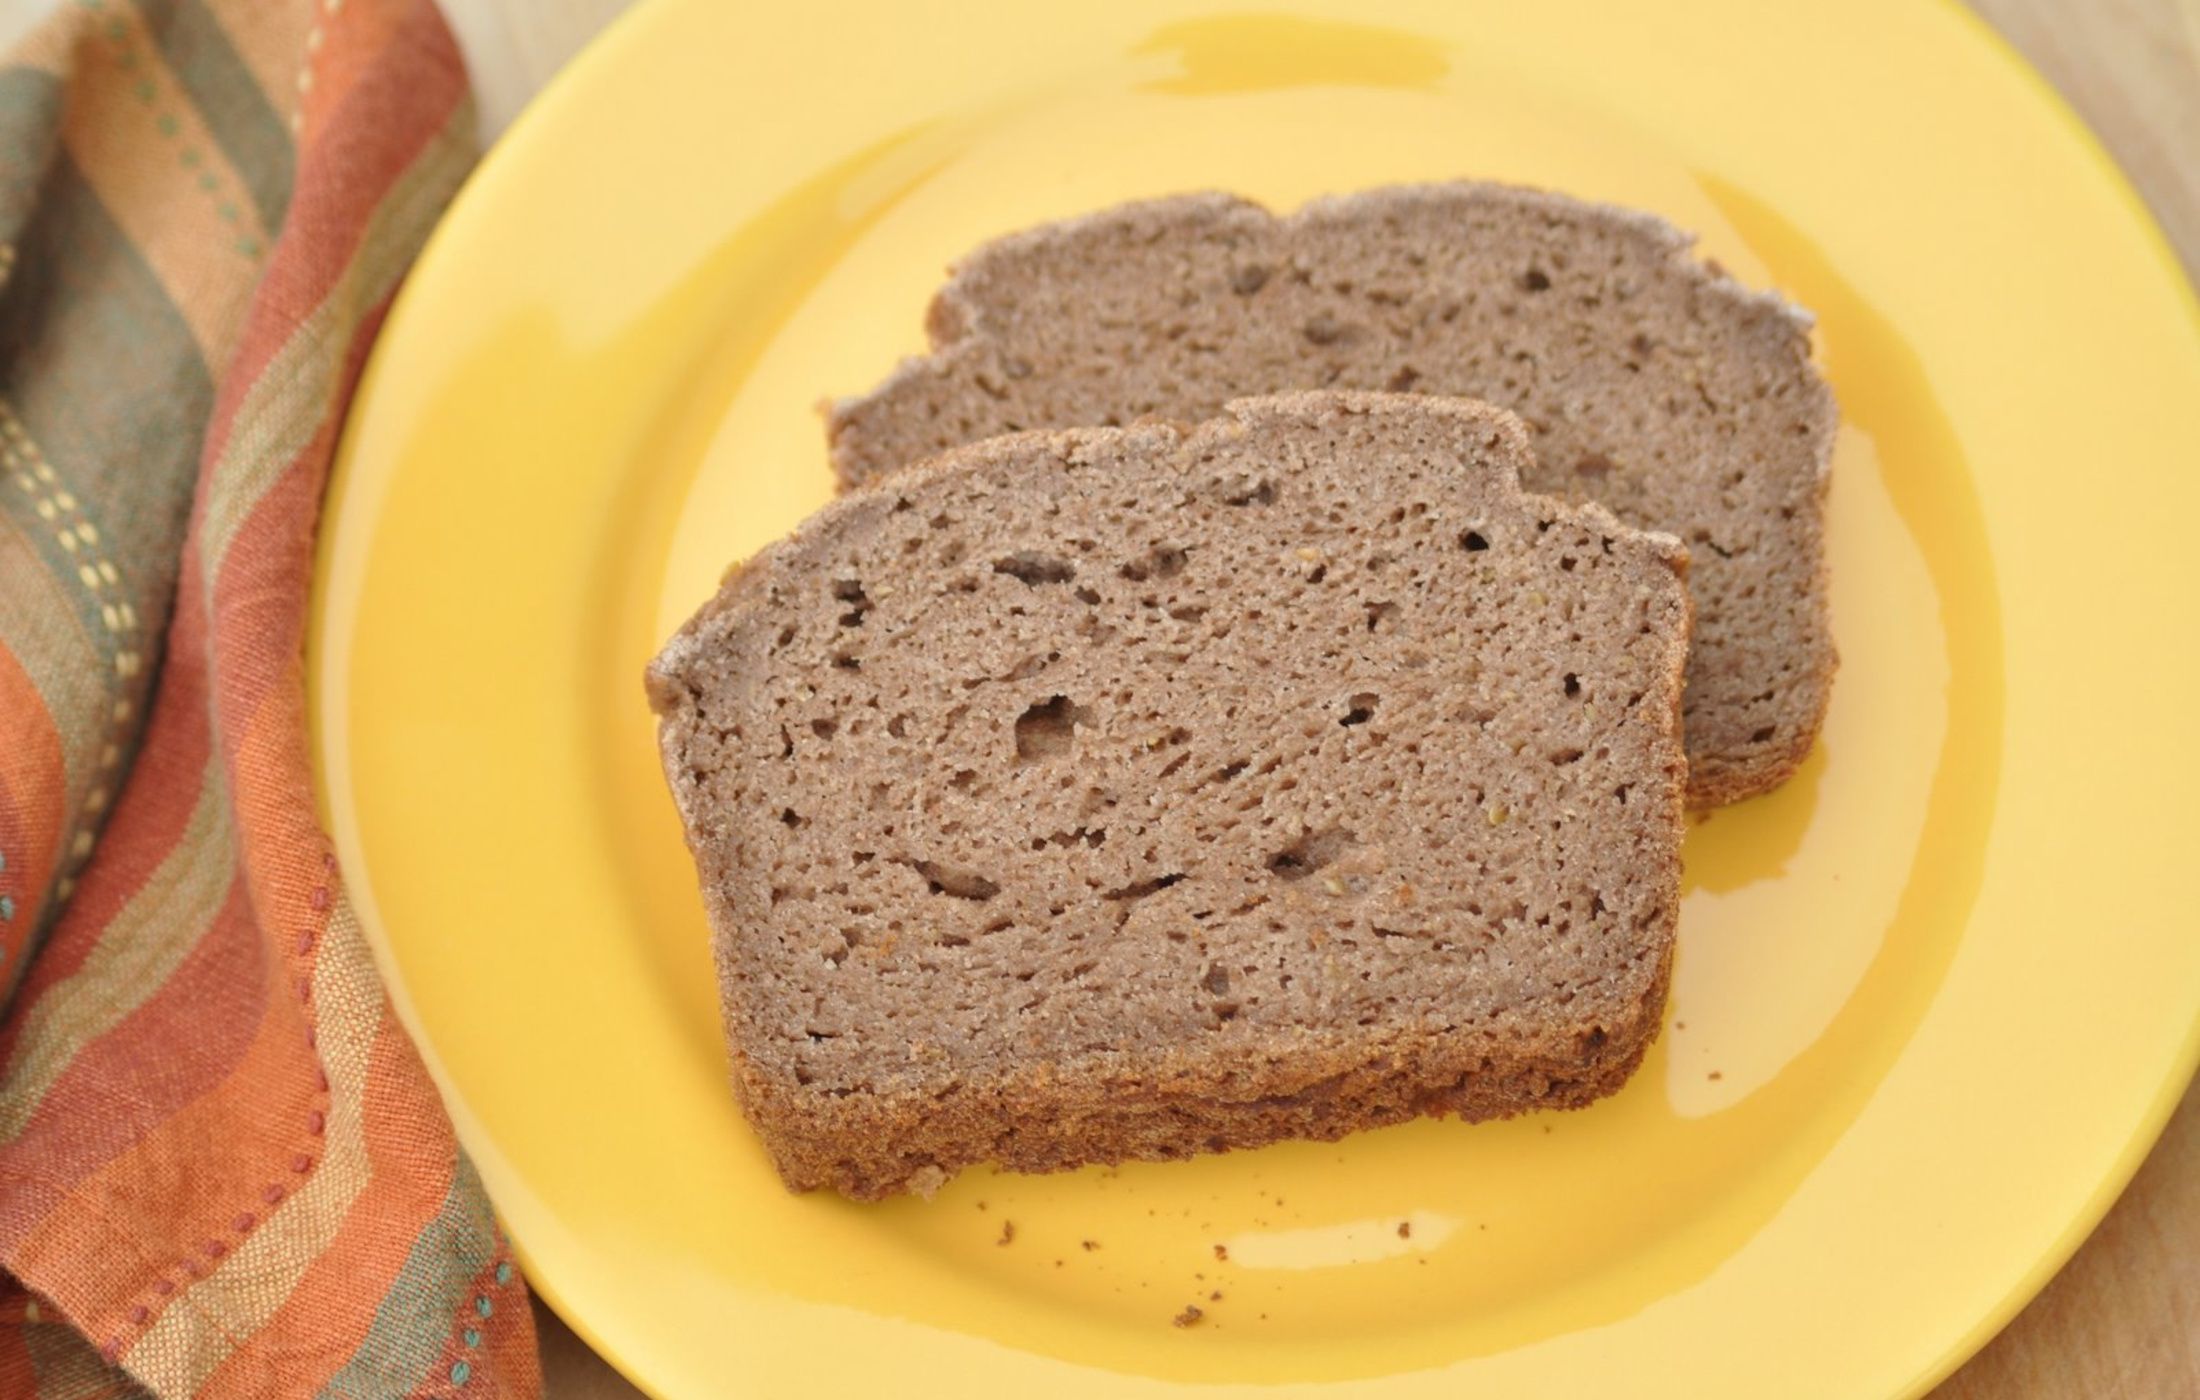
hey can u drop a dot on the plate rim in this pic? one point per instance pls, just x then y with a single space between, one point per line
569 87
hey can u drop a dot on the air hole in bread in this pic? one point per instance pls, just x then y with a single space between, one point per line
1162 561
1362 709
1139 889
955 880
1033 569
1047 730
1093 837
1324 330
1473 542
850 591
1310 853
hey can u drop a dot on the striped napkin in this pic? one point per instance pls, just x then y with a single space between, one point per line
223 1170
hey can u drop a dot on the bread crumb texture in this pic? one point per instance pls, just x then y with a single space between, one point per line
1649 380
1133 793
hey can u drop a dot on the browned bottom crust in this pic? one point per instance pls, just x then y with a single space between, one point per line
1712 783
869 1146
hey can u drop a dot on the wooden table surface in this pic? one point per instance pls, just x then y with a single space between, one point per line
2123 1318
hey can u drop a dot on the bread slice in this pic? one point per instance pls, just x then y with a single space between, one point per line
1133 793
1653 384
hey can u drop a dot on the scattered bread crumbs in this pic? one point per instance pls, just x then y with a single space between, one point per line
1189 1317
1089 1245
1405 1229
1222 1251
1008 1232
1057 1263
1715 1075
1215 1297
1680 1025
981 1205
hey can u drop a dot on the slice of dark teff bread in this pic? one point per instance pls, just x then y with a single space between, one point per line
1130 793
1652 383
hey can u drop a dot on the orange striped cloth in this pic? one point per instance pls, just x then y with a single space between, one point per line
223 1170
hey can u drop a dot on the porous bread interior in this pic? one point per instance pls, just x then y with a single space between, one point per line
1651 383
1131 793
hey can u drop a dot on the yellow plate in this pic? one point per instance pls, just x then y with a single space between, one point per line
1933 999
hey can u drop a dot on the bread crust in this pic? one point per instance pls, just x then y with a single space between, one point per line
868 1147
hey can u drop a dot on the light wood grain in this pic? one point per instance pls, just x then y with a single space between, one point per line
2123 1319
